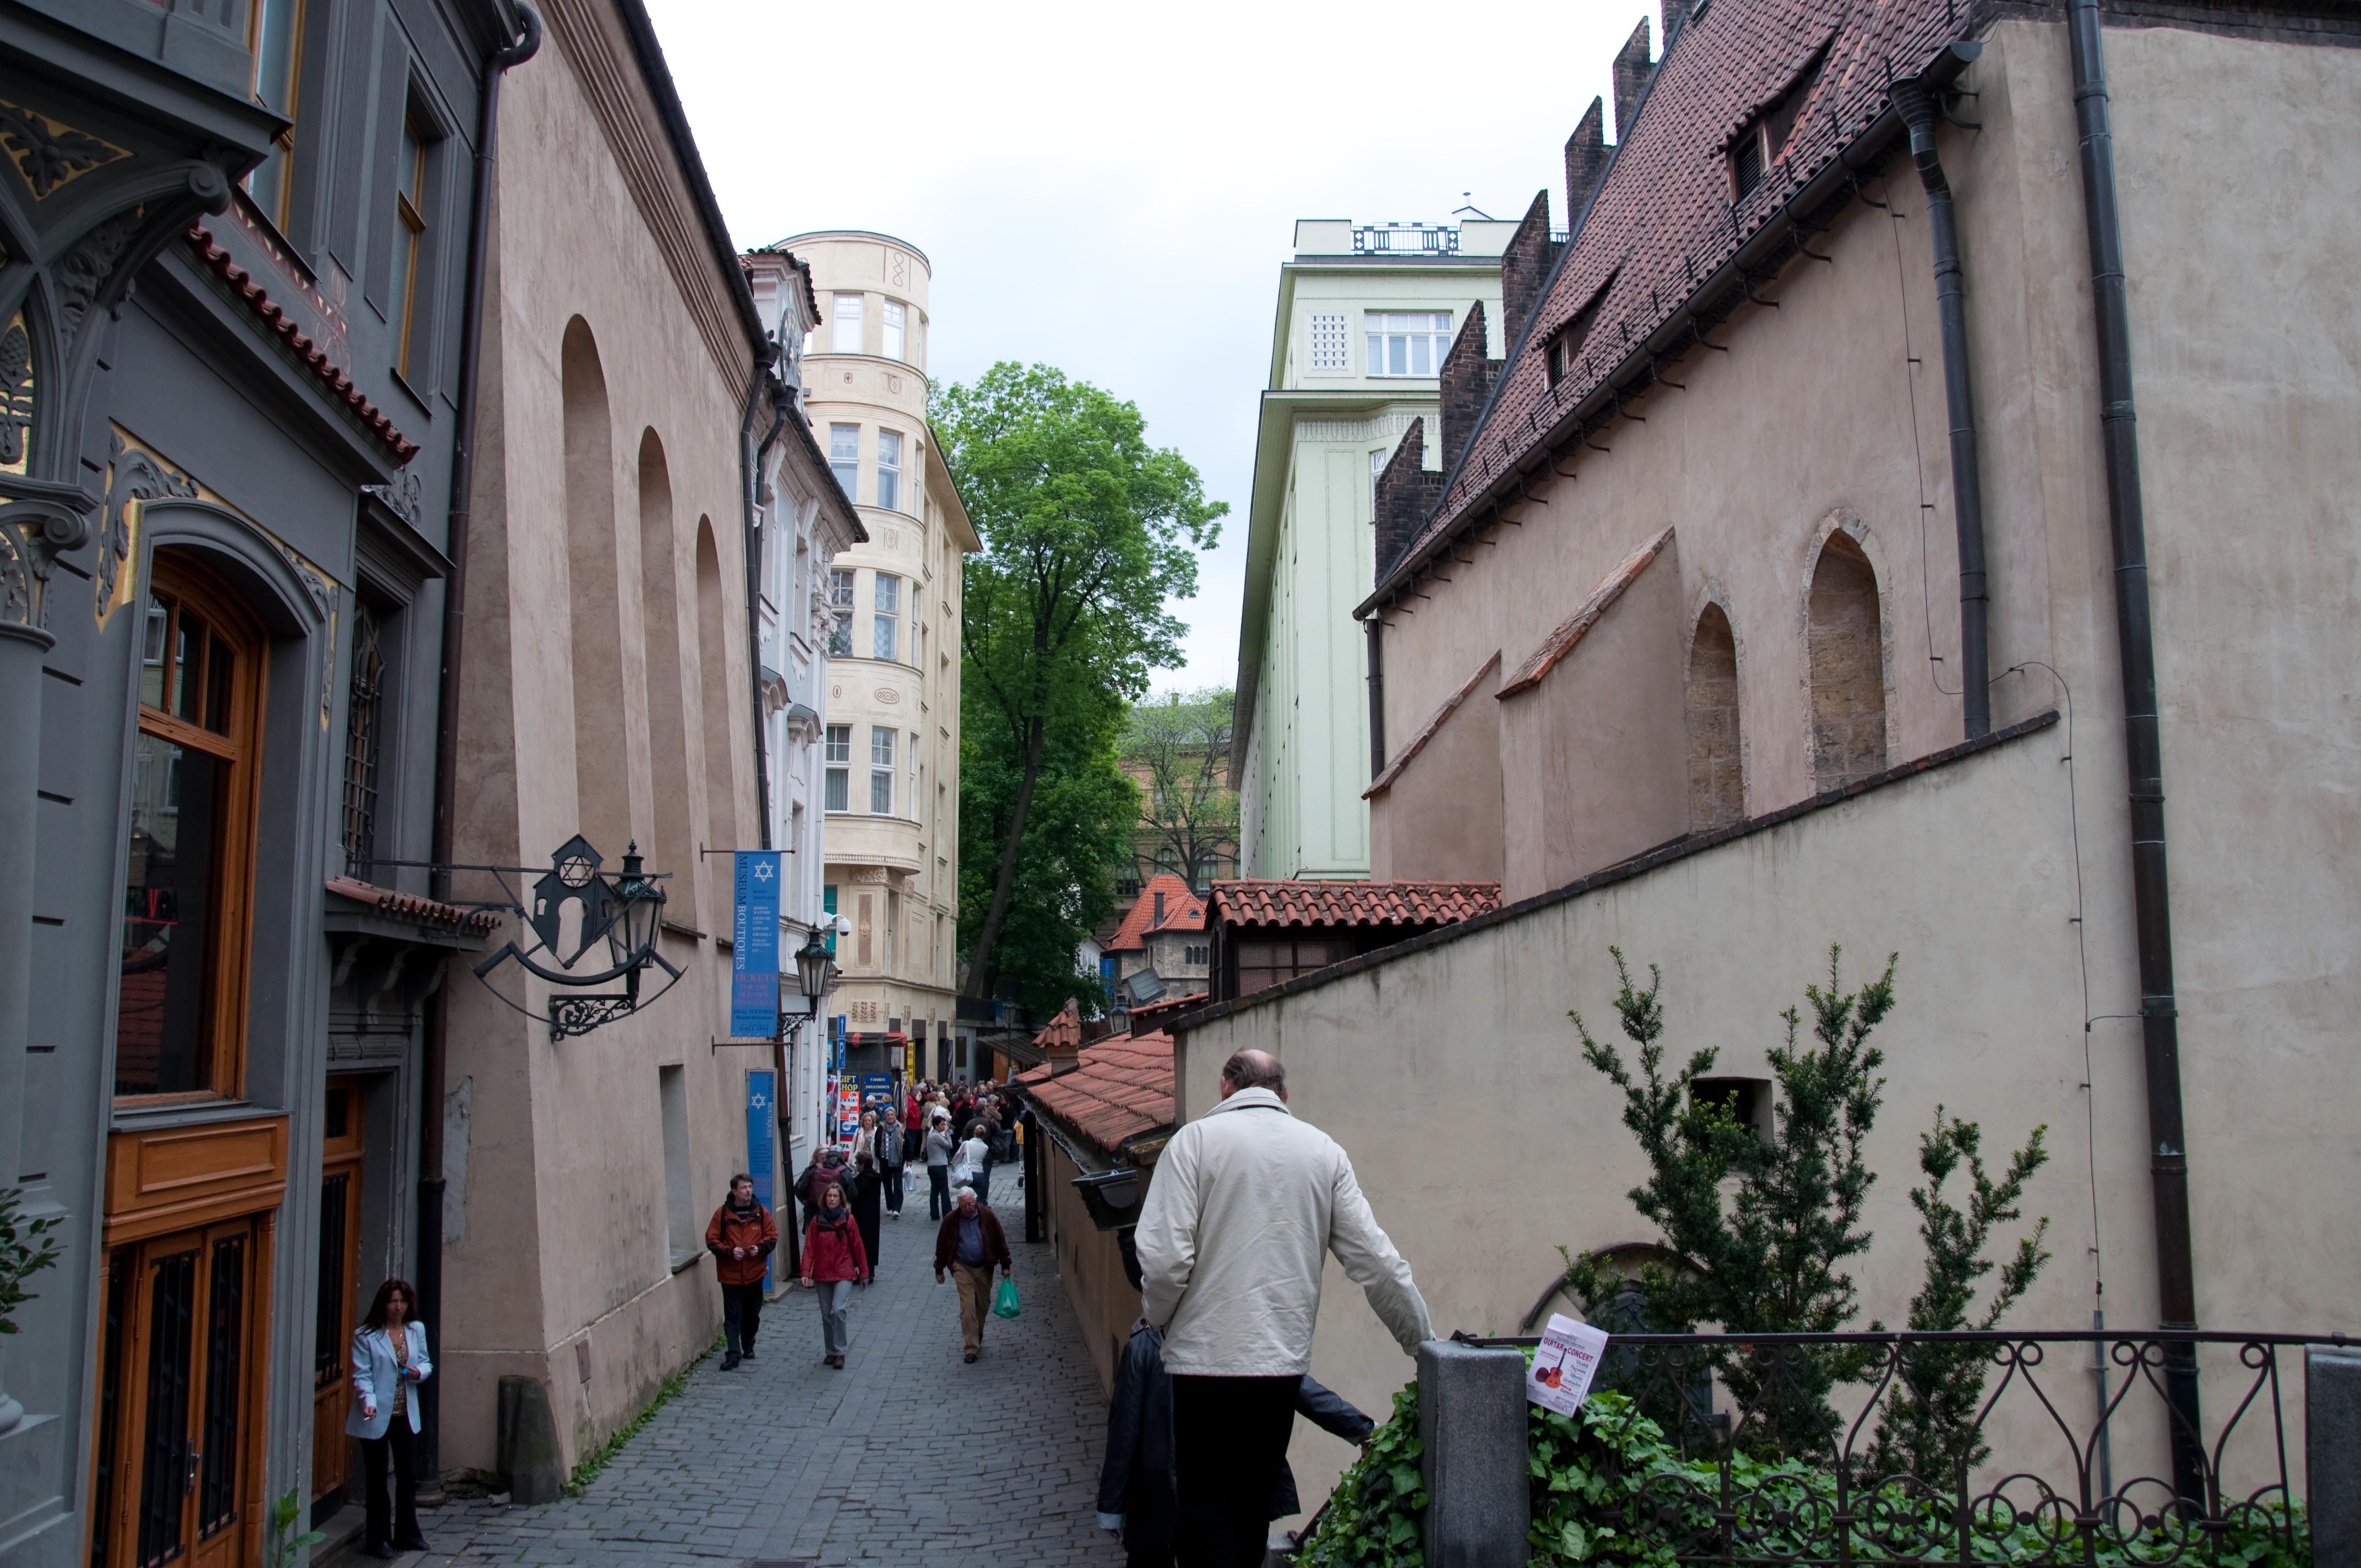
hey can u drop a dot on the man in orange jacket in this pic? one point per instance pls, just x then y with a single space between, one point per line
740 1237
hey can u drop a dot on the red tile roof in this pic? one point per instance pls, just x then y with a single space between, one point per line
1121 1088
1353 902
1560 642
1183 911
257 300
1661 224
411 906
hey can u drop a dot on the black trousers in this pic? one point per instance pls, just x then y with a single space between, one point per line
893 1189
939 1191
401 1443
742 1315
1229 1438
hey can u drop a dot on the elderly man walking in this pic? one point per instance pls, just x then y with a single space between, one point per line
1247 1203
969 1243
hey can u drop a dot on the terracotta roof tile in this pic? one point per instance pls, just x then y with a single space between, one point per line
1063 1033
1120 1088
411 906
1561 641
1662 222
1353 902
1183 911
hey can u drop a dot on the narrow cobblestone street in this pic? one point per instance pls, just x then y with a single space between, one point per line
906 1454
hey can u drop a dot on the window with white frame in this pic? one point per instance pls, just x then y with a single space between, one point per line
847 339
1332 344
885 622
889 469
893 317
840 613
844 458
881 771
839 768
1407 343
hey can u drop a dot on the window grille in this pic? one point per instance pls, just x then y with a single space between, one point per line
363 737
1332 345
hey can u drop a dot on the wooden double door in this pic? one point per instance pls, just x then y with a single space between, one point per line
339 1306
182 1406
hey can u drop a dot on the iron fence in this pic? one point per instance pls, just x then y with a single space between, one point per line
1795 1451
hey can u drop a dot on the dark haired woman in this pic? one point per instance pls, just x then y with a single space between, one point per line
833 1260
388 1362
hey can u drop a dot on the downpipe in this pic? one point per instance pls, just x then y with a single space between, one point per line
1376 697
2143 746
1915 104
433 1047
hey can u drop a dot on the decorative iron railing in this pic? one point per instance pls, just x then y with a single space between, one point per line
1954 1450
1405 239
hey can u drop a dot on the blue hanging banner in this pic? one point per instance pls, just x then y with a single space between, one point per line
754 947
761 1143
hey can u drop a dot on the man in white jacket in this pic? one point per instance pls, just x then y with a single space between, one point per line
1246 1204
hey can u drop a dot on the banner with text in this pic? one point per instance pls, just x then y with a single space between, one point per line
754 947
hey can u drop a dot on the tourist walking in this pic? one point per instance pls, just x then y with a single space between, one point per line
892 1152
828 1168
389 1361
968 1166
939 1148
833 1260
1246 1204
968 1244
868 1183
740 1236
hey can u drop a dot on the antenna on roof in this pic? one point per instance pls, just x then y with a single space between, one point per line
1470 210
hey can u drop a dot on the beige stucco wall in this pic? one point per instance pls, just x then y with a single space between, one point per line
1089 1265
557 1218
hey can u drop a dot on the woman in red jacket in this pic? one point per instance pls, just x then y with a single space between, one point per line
833 1259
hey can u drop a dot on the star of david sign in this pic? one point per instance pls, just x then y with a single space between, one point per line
764 870
573 878
758 1101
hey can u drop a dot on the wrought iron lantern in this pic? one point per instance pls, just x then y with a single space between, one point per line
569 909
814 970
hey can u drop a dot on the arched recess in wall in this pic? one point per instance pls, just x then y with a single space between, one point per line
1717 789
713 678
1848 661
675 848
601 780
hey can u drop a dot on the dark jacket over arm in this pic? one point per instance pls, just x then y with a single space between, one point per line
995 1243
1137 1480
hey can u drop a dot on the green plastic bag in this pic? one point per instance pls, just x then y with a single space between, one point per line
1004 1301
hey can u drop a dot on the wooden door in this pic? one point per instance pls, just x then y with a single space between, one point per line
339 1262
183 1399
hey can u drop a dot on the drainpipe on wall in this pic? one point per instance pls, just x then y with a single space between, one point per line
1376 697
2142 744
1915 104
429 1263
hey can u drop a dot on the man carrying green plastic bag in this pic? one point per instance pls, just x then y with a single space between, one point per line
969 1243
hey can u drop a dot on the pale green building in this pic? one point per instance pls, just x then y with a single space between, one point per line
1365 313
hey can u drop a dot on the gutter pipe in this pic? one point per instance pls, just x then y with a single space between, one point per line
433 1047
1377 629
1916 103
2143 745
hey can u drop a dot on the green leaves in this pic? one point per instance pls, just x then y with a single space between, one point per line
25 1249
1373 1518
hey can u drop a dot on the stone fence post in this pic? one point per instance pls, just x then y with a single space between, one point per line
2332 1422
1471 1420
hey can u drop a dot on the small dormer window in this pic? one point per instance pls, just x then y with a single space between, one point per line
1748 159
1565 344
1764 139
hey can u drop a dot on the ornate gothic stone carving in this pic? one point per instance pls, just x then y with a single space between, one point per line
133 476
406 496
86 269
33 529
16 395
51 154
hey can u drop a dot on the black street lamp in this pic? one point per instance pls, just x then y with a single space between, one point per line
813 963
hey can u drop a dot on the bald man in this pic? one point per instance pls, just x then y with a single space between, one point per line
1246 1204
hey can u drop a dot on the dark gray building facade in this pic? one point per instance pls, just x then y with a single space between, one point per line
234 269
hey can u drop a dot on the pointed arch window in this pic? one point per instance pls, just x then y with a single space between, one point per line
364 743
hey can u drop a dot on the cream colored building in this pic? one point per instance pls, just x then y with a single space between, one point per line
890 747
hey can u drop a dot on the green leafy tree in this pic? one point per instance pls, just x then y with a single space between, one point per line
1088 533
25 1249
1178 746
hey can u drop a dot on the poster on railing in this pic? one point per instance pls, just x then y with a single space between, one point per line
1567 1359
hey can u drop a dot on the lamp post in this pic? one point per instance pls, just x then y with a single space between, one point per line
813 962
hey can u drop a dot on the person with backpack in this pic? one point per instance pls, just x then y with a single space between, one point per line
740 1236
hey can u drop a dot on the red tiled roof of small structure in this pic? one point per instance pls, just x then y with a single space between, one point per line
1121 1088
257 300
1065 1031
1662 222
1183 911
411 906
1353 902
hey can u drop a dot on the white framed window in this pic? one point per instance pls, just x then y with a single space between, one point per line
840 613
881 771
895 313
846 336
839 770
889 469
1407 343
885 622
844 458
1332 344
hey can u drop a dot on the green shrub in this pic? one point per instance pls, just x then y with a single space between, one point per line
1373 1518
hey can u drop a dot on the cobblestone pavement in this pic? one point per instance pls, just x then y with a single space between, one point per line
904 1455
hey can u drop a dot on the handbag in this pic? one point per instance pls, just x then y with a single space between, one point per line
1003 1301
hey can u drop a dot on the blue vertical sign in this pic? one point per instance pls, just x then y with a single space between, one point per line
761 1127
754 947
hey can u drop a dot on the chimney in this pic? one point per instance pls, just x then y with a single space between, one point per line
1525 269
1407 494
1466 382
1631 73
1676 16
1585 160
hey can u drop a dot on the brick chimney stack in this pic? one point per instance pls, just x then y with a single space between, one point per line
1407 494
1525 268
1585 160
1466 382
1631 73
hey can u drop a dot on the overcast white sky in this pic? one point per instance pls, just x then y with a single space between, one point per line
1111 190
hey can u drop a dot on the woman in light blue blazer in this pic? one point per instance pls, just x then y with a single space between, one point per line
388 1363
